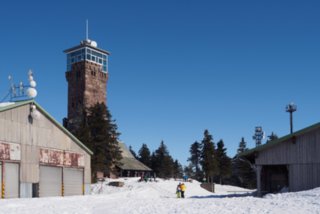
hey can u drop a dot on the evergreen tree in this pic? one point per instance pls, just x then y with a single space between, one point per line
177 169
242 146
224 162
155 165
208 160
272 137
195 152
144 155
243 173
133 152
188 171
99 133
162 162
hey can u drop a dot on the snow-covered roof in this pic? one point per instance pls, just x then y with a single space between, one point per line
5 104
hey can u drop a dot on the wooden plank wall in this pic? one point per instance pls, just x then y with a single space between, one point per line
305 150
304 176
302 158
15 128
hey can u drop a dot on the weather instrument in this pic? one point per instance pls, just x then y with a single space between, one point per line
21 91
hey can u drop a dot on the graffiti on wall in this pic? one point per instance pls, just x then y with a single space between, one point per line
50 156
10 151
73 159
61 158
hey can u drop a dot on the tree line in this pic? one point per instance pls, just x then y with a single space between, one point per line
160 161
208 161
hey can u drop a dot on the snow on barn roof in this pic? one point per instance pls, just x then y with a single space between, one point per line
2 105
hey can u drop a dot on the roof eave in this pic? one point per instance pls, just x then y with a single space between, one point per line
280 140
81 46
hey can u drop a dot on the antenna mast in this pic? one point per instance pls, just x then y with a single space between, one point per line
87 30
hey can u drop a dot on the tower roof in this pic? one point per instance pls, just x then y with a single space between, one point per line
86 43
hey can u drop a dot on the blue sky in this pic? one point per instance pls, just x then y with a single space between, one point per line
176 67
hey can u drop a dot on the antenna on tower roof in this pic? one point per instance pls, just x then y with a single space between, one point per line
87 30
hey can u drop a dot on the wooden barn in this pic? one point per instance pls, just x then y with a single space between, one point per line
290 163
38 156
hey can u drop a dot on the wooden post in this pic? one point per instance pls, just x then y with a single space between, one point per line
258 168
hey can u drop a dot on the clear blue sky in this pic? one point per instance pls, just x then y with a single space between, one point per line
176 67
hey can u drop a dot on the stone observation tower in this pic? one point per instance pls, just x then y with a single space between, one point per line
87 76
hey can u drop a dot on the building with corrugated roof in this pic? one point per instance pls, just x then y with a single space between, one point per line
290 163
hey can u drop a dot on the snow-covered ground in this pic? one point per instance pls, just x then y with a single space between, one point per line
159 197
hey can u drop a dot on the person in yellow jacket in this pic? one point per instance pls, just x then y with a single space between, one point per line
183 189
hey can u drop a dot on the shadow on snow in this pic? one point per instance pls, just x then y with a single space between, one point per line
226 196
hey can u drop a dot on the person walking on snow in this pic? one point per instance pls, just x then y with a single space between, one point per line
183 189
178 191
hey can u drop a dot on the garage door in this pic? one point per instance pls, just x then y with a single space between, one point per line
11 178
50 181
73 181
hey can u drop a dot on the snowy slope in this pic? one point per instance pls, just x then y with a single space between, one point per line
159 197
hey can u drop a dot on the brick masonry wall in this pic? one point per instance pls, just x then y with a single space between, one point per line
86 86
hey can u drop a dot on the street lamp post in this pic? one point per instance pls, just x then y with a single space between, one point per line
291 108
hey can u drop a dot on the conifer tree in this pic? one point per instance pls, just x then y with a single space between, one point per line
272 137
177 169
188 171
195 152
162 162
242 146
99 133
224 162
144 155
243 173
208 160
